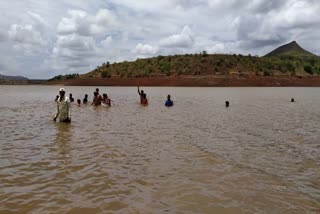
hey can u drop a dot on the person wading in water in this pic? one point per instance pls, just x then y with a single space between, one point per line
145 100
63 107
169 102
106 100
141 93
97 99
85 99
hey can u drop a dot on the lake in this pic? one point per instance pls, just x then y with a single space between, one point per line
261 155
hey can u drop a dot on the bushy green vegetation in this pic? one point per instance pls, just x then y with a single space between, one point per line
308 69
205 64
64 77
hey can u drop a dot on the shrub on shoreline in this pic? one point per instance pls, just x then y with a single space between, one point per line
64 77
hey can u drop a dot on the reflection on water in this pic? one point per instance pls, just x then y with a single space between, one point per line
261 155
62 139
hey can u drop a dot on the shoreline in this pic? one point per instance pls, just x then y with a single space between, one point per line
23 82
185 81
198 81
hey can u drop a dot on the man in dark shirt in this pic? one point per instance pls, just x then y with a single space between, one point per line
169 102
71 98
85 99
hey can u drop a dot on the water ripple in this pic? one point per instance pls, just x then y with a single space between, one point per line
262 155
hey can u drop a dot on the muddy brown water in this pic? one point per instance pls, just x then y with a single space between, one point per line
261 155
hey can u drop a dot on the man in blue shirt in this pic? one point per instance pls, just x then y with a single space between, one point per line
169 102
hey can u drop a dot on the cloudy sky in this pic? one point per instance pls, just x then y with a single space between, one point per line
42 38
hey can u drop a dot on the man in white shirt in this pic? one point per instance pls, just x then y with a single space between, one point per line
63 107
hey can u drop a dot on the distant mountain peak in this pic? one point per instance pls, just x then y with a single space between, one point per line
12 77
293 44
290 49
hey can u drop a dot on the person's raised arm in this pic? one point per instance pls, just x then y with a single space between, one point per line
139 90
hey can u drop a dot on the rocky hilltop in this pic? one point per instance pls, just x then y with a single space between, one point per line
291 49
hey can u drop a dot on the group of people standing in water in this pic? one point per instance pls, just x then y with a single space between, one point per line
64 103
98 100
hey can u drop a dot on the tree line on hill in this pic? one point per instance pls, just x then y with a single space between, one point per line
204 64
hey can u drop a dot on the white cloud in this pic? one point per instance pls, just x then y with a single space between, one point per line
76 23
104 17
146 49
144 5
27 39
7 65
84 24
290 20
74 47
3 35
300 14
73 54
223 47
38 18
216 48
75 36
183 40
81 41
25 34
107 41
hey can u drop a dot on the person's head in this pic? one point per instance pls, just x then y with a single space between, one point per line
142 92
86 96
97 90
169 97
227 104
78 101
292 100
105 96
70 95
62 92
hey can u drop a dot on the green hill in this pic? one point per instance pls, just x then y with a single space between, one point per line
291 49
288 60
203 64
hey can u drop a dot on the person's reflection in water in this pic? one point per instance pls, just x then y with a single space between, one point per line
62 141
